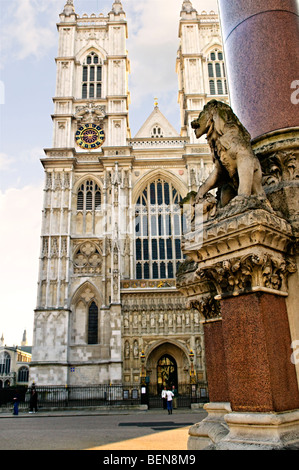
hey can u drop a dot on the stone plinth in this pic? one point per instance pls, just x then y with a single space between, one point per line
261 376
212 429
260 431
245 255
260 40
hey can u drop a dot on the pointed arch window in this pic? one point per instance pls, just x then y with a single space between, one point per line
5 361
89 197
23 374
158 230
93 322
217 74
92 77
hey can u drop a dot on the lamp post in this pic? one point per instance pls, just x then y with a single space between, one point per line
144 394
192 370
142 372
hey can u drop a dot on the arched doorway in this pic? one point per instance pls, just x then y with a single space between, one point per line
167 373
169 362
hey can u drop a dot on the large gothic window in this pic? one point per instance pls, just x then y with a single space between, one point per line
217 74
158 230
92 77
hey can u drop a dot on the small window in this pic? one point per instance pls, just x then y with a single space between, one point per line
93 324
157 132
219 87
216 68
4 363
84 91
23 374
80 200
92 77
89 197
212 87
98 200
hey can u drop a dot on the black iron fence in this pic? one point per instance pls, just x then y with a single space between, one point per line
58 397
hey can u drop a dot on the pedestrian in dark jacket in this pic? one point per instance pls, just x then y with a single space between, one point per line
16 406
33 400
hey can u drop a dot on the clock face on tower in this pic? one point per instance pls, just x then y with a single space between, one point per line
90 136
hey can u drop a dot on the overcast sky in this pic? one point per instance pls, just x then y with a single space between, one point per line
28 47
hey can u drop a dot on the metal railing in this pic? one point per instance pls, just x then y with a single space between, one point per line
59 397
72 397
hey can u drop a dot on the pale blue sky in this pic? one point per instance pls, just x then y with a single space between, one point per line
28 47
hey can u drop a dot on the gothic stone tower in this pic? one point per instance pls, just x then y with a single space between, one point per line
112 225
77 319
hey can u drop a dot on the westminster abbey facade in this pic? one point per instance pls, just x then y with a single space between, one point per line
108 311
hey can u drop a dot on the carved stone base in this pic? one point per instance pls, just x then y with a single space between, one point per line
261 431
244 252
212 429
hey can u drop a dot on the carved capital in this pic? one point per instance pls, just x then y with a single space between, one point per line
199 292
280 167
207 306
244 252
251 273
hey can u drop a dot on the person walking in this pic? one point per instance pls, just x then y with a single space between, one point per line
169 396
164 398
33 400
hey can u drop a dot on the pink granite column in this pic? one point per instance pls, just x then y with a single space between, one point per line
216 362
261 48
257 340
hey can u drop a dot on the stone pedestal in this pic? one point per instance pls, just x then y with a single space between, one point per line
212 429
260 431
245 254
256 332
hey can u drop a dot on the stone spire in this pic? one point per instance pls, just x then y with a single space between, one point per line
117 7
24 339
69 8
2 340
187 6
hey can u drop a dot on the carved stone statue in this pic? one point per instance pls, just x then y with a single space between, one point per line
237 170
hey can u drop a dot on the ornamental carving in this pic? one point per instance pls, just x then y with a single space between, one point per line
207 306
252 272
90 114
281 166
87 259
156 314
